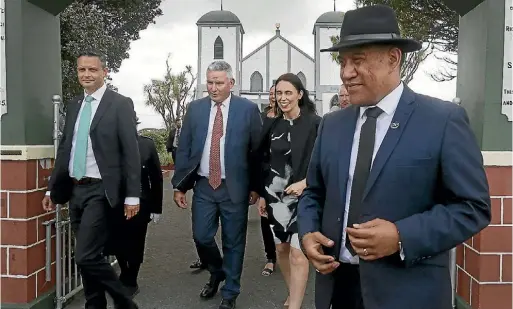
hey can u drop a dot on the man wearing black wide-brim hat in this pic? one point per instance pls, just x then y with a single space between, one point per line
380 237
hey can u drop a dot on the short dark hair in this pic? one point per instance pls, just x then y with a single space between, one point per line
92 53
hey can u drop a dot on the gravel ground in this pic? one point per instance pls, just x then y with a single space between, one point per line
167 282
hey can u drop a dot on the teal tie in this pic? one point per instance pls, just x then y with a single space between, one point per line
79 158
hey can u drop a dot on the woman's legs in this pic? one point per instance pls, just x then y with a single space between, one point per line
283 252
269 246
298 274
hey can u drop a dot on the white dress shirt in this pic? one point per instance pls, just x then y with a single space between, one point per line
203 169
92 170
388 104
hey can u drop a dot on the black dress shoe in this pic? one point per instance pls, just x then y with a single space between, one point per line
227 304
211 287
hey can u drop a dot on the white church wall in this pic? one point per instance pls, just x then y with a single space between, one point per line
329 70
278 55
300 63
257 62
208 37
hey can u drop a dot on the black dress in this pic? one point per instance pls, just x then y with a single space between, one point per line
282 207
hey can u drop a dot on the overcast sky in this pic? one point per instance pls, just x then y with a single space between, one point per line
176 32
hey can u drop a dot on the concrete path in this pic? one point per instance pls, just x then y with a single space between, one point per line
167 282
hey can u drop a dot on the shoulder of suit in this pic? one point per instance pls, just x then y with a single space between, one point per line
436 105
244 102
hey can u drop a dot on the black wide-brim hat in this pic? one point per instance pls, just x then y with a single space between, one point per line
371 25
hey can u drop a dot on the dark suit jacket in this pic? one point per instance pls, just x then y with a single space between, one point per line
113 135
427 178
151 178
242 137
170 140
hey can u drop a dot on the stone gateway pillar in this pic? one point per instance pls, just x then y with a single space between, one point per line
30 73
484 85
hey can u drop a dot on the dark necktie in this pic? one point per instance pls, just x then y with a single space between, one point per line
214 177
362 168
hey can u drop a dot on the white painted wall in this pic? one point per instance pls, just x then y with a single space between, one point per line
300 63
278 50
329 72
257 62
208 37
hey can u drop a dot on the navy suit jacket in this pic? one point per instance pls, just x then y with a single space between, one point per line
243 131
427 177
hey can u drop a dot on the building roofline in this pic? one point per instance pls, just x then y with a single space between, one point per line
278 36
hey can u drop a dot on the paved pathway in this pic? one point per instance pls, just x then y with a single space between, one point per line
167 282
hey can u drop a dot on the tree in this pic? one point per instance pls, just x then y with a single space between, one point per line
431 22
410 64
107 26
169 96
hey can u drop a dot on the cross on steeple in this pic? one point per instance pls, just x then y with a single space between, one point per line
334 5
221 5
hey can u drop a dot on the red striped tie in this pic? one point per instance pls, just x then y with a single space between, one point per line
214 178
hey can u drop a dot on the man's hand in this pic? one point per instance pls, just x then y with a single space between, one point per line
180 199
253 197
312 244
374 239
262 211
296 188
131 210
47 203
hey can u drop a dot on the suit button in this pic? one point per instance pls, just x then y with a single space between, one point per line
338 219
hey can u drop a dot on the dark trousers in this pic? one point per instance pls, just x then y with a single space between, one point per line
208 205
90 217
347 292
268 237
131 243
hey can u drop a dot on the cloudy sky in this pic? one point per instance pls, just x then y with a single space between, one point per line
175 32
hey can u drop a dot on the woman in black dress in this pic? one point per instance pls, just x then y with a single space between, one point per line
286 147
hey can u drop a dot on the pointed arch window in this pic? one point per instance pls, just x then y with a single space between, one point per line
302 77
334 101
256 82
218 48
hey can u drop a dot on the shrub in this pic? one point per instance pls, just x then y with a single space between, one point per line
159 136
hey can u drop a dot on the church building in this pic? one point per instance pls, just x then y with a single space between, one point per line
220 37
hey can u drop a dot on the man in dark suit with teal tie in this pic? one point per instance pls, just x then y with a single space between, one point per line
98 171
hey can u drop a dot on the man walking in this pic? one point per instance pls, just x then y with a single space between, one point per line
395 181
220 134
98 170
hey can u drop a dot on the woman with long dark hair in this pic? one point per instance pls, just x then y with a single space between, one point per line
286 149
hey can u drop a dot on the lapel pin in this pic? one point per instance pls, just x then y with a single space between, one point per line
394 125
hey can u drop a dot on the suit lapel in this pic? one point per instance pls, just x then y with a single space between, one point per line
401 116
75 108
204 118
231 119
102 107
346 136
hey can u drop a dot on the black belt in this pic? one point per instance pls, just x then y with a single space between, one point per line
86 181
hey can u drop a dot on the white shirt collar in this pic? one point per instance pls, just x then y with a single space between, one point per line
389 103
225 103
98 94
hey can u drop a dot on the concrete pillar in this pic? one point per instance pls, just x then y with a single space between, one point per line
484 274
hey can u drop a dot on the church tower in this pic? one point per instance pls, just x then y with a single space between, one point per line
219 38
327 72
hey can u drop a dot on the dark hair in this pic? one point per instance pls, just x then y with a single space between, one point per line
269 107
91 53
305 103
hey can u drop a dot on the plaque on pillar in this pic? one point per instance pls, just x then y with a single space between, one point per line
507 79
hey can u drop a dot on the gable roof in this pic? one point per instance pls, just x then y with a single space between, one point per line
278 36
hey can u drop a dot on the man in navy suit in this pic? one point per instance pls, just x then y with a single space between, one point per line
220 135
395 181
